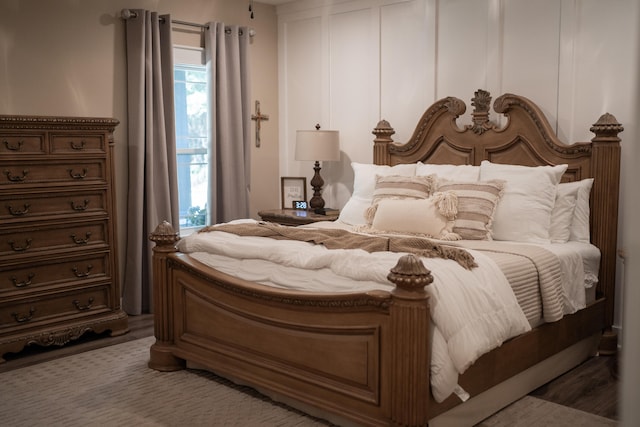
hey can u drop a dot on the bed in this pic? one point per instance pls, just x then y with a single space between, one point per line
365 357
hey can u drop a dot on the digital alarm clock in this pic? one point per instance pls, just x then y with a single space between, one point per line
300 204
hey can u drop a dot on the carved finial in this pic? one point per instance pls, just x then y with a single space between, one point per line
607 127
381 142
383 130
410 274
481 101
480 116
164 235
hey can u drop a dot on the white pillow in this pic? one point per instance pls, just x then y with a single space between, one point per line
364 181
524 212
466 173
432 217
562 214
580 230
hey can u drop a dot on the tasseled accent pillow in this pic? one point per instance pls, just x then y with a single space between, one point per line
432 217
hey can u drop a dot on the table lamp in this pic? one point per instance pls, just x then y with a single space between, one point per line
318 145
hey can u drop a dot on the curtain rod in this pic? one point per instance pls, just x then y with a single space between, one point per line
128 13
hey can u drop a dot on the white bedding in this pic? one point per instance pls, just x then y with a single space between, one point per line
475 312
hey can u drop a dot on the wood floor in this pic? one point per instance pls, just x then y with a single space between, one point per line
591 387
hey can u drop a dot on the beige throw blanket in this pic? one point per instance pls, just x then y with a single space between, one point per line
525 266
343 239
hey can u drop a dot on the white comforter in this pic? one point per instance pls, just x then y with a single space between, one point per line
473 311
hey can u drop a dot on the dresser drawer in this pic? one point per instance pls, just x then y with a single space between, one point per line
20 143
35 205
29 241
18 175
51 273
51 308
77 144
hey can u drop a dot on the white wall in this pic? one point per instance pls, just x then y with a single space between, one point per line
347 64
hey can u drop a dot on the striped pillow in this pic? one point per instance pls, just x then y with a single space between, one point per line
403 187
477 203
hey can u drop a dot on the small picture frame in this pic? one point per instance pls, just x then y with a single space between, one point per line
292 189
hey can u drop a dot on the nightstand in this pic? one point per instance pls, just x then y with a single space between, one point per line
296 217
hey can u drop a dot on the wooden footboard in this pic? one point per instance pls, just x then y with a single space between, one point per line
353 356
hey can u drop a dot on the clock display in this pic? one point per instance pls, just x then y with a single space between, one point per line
299 204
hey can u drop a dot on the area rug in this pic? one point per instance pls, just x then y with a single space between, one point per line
113 386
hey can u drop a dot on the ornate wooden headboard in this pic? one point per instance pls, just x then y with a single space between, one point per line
527 139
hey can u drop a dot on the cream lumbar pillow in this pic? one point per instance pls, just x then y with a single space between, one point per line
399 187
432 217
364 181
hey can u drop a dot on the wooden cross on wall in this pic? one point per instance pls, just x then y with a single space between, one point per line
258 117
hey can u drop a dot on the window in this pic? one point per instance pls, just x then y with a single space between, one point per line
192 141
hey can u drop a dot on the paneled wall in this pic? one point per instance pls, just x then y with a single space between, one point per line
348 64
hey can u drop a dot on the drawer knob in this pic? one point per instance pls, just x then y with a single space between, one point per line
21 318
17 248
80 273
16 178
83 307
79 175
76 146
24 283
19 212
80 206
17 146
80 241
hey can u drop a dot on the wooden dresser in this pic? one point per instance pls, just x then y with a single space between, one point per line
58 262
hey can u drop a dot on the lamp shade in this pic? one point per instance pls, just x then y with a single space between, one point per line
318 145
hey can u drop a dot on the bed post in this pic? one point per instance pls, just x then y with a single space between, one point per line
605 163
410 359
381 142
162 359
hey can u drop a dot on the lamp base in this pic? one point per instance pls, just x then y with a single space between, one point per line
317 202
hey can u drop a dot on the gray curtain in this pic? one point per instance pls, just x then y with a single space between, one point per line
226 50
152 187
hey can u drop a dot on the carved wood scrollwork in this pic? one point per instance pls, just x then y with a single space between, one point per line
480 115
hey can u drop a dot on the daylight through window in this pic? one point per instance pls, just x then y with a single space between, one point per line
192 142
